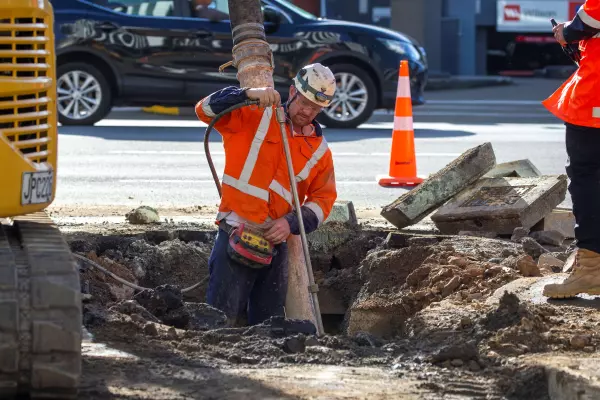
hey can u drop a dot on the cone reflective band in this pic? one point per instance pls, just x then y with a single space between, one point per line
403 164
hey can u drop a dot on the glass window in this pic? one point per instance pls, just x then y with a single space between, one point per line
146 8
298 10
214 10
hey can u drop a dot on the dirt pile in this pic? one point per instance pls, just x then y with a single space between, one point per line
398 283
417 306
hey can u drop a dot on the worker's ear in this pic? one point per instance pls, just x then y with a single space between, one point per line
292 91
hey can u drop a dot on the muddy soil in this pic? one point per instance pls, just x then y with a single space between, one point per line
443 338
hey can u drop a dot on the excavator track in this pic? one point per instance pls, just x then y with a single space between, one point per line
40 311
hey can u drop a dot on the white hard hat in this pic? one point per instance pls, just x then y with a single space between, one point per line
317 83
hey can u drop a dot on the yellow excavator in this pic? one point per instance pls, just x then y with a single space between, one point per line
40 300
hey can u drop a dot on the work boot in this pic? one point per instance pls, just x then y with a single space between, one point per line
584 278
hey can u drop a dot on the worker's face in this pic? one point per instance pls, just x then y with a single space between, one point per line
302 111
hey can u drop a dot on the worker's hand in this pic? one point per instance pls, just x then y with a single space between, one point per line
558 34
267 96
277 231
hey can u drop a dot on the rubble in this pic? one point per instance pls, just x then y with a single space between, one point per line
143 215
553 238
440 308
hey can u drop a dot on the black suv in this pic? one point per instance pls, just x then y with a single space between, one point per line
162 52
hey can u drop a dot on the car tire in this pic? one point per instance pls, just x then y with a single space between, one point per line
97 101
332 117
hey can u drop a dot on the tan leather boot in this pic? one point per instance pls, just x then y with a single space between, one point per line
584 278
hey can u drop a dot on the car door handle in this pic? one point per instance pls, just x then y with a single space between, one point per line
107 25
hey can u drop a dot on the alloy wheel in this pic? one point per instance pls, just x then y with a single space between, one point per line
79 94
350 99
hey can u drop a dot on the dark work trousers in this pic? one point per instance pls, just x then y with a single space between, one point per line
583 169
239 290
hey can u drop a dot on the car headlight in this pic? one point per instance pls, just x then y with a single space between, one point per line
400 47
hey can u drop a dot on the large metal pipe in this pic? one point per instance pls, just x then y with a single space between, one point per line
252 55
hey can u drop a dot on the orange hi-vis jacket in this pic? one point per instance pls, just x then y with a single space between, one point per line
577 101
255 183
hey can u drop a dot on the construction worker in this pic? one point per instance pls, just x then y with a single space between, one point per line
256 191
577 103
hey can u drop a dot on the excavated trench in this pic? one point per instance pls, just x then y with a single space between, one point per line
414 305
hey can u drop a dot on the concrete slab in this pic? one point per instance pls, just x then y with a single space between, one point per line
560 220
416 204
501 204
514 169
343 211
570 376
530 290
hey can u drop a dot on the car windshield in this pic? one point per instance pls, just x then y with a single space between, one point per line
295 8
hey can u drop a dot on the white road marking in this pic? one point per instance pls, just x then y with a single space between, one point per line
480 114
488 102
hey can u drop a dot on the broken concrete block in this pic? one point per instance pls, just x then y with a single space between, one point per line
561 220
550 263
514 169
501 204
329 236
533 248
398 240
553 238
518 234
416 204
343 211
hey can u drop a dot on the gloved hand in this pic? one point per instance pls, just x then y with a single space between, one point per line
267 96
277 231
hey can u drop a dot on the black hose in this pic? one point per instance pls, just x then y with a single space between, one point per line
207 134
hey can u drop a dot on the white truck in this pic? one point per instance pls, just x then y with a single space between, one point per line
523 41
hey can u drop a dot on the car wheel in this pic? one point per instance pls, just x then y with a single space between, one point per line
83 94
354 99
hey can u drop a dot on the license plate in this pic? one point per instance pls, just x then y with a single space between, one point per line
37 187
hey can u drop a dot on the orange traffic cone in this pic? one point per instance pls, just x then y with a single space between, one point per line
403 164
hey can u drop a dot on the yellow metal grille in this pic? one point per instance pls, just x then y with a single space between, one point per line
24 52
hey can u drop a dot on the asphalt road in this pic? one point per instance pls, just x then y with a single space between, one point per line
134 158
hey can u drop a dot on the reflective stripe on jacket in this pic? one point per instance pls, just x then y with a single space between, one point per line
255 183
577 101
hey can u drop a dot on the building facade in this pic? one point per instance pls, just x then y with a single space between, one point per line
466 37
